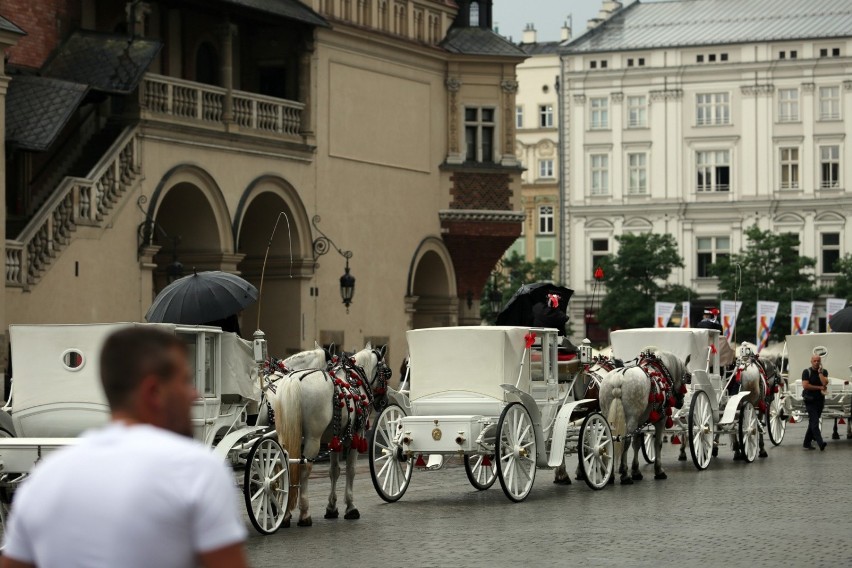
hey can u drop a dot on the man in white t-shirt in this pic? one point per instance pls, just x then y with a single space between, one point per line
139 493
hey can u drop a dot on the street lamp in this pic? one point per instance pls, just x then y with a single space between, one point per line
146 232
495 297
322 245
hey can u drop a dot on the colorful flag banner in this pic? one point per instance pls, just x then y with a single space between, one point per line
766 312
800 317
832 306
684 318
730 312
663 313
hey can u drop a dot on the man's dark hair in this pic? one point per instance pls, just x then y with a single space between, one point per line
130 355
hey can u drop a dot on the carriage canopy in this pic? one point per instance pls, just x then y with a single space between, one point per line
628 343
835 347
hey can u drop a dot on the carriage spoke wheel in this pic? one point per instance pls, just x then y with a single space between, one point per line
596 451
481 475
776 422
266 485
390 469
516 452
700 429
748 431
649 451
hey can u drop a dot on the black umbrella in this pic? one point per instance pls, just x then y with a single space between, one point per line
201 298
527 302
842 320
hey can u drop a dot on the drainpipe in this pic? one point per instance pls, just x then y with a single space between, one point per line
560 94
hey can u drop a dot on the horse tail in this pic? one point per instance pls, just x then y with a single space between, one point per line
287 404
617 419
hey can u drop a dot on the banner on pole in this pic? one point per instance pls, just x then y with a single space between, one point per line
766 312
832 306
730 312
800 316
684 318
663 313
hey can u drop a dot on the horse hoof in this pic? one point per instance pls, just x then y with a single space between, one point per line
715 452
306 522
286 524
738 457
331 514
626 481
681 458
849 436
661 475
562 481
835 436
763 454
636 476
611 480
352 515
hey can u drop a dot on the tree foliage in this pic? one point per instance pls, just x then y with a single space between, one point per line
516 272
842 287
636 277
770 268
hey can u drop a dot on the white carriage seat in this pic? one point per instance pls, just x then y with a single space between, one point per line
459 370
239 371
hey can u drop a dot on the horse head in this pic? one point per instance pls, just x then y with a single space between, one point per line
372 363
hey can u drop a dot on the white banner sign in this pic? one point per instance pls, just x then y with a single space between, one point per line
684 318
832 306
766 312
800 317
730 312
663 313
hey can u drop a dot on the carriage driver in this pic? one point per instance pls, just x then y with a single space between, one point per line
139 492
814 383
710 321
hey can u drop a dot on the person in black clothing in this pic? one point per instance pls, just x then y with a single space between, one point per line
710 321
814 382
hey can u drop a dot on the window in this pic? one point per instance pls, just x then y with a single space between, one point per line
794 54
603 64
479 134
699 59
712 57
641 62
788 105
637 174
713 109
710 250
519 116
830 252
723 57
474 14
600 113
600 174
545 168
637 112
789 168
545 220
207 64
823 53
782 55
630 63
829 103
209 363
545 116
713 171
545 248
835 52
829 161
593 64
600 250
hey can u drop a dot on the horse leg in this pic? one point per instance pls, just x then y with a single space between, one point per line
762 453
351 512
735 444
658 450
635 474
849 425
560 474
304 516
715 451
333 474
834 434
622 468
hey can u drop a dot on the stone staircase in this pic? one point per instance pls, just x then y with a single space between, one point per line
76 201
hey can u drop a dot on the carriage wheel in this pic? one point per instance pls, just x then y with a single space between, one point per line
701 430
481 476
516 452
748 431
266 485
596 451
390 469
776 425
649 450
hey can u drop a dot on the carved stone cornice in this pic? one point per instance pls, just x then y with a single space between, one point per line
481 215
617 97
808 87
453 84
579 99
509 86
754 90
666 94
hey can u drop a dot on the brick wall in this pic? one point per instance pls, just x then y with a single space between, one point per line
481 190
475 247
47 23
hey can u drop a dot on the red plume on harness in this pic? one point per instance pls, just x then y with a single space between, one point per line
553 300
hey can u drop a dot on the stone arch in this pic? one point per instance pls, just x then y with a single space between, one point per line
599 224
789 219
830 218
286 278
200 240
638 225
431 293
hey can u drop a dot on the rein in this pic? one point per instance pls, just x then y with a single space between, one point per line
356 393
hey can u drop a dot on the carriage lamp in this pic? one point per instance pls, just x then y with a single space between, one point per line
322 245
586 352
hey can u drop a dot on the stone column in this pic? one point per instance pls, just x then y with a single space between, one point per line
454 154
510 88
307 73
227 32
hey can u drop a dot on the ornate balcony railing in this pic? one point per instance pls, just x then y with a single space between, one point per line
207 105
75 201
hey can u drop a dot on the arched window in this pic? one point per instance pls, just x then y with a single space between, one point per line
474 14
207 64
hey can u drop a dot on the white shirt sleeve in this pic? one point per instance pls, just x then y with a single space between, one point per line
17 543
217 521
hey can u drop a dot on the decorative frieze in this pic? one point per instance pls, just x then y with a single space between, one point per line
808 87
666 94
754 90
579 99
509 87
617 97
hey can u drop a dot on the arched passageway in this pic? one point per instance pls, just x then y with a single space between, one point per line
432 299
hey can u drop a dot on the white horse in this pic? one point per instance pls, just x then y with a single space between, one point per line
316 405
759 377
645 393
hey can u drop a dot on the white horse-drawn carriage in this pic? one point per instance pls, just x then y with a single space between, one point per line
708 409
56 395
500 398
836 352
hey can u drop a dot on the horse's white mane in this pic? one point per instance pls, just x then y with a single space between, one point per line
672 362
313 359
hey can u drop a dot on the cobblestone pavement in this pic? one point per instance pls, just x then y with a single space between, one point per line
732 514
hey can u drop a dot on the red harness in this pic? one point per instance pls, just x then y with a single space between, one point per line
662 396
